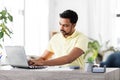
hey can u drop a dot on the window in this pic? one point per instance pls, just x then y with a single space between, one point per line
30 24
16 8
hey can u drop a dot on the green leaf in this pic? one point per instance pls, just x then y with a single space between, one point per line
4 29
1 35
95 54
1 46
97 45
1 17
93 47
90 60
4 12
10 17
4 18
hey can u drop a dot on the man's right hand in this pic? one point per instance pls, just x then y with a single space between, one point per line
36 62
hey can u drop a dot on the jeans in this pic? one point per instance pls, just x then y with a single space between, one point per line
113 60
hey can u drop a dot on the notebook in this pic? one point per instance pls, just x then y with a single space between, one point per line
17 58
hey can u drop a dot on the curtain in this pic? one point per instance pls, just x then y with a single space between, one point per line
101 20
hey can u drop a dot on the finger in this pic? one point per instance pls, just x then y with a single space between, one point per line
30 62
38 64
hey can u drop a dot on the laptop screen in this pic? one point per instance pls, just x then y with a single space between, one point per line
16 56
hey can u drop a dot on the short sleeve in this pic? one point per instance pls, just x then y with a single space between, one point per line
49 48
82 43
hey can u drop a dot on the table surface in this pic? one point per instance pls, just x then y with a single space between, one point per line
53 73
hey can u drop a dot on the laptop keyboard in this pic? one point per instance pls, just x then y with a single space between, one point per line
37 67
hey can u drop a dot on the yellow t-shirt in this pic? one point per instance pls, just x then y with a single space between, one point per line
61 46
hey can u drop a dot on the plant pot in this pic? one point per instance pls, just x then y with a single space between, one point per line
88 67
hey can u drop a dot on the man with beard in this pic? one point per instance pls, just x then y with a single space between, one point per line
68 46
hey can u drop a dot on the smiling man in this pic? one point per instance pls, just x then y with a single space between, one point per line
67 47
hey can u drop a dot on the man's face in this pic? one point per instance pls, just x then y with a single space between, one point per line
66 27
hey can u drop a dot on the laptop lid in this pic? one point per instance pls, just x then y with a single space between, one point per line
16 56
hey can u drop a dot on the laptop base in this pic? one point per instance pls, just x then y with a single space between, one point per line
30 67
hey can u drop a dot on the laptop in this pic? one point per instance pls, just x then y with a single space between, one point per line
17 58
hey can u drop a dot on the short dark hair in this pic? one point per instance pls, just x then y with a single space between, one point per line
70 14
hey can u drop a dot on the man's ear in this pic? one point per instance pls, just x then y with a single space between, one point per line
74 24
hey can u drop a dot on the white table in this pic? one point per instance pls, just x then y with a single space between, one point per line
57 74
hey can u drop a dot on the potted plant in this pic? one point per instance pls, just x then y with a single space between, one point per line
5 17
91 54
107 49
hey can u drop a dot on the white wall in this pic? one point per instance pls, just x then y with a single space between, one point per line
36 26
100 19
96 17
58 6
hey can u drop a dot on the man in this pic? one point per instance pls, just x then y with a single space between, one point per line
67 46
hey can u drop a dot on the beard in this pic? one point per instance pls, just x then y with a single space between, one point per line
64 32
